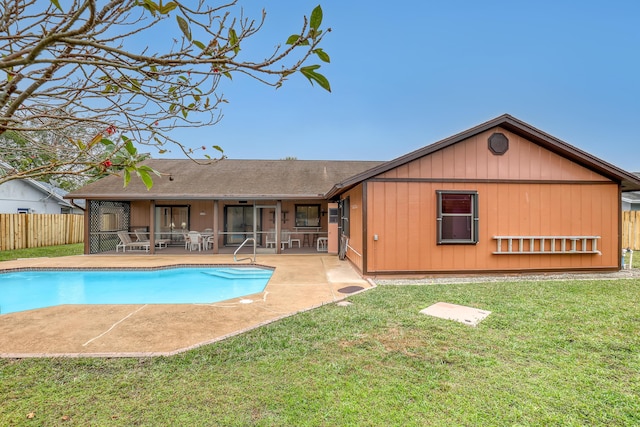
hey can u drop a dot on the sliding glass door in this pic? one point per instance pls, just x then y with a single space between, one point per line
238 224
171 222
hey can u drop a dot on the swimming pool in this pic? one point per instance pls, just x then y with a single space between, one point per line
27 290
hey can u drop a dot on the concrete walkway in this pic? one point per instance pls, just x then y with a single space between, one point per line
299 283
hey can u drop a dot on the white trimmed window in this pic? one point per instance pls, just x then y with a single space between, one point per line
457 217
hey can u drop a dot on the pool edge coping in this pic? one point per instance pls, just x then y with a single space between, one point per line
325 266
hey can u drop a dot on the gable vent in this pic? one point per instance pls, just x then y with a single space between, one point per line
498 144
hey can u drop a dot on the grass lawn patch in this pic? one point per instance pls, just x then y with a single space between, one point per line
634 257
46 251
551 353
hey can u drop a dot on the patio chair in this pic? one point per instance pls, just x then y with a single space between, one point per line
292 241
207 241
270 242
126 242
142 236
185 237
285 238
194 241
207 238
321 245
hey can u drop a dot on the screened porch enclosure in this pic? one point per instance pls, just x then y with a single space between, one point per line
275 226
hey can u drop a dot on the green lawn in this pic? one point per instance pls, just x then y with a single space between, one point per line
47 251
551 353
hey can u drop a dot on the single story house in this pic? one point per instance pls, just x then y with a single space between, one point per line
30 196
500 197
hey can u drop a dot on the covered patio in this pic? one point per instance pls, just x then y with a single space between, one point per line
280 206
214 226
180 250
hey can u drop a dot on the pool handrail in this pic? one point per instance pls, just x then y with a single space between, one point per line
240 247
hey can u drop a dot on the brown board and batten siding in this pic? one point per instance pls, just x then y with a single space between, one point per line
526 191
355 250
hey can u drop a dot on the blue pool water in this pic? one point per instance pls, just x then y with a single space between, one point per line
28 290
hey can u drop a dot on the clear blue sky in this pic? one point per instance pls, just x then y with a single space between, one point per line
406 74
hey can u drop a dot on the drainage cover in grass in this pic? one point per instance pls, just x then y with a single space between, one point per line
467 315
350 289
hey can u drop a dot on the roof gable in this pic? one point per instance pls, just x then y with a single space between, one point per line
562 151
471 158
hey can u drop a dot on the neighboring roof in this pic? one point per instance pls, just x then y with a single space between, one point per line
229 179
61 193
51 191
629 181
632 196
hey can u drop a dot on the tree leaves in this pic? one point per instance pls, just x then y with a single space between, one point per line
167 7
322 55
293 38
184 27
154 7
310 73
56 3
98 84
316 18
233 40
144 172
314 33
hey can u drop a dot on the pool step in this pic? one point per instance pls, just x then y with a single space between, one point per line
240 273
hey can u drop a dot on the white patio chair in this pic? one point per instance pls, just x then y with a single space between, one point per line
322 243
126 242
208 241
270 241
292 240
142 236
207 238
194 241
285 238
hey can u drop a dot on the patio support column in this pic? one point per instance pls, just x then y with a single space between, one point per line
278 225
152 226
216 227
87 227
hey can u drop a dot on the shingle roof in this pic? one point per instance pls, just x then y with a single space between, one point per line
229 179
312 179
45 188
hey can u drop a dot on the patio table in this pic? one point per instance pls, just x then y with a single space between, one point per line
309 234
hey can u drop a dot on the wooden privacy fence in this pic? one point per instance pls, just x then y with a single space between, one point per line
631 229
21 231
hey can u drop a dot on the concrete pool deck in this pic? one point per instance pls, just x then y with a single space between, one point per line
299 283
